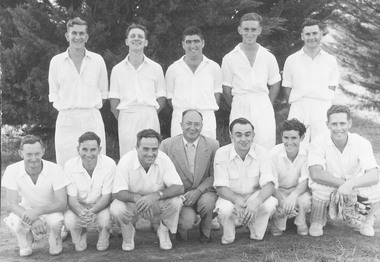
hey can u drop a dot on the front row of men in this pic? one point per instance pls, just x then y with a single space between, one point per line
170 182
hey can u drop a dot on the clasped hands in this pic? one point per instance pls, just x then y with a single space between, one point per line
144 204
30 218
247 210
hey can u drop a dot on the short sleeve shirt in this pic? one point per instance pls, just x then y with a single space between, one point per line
131 176
89 189
137 87
242 176
194 90
289 174
246 79
51 178
69 89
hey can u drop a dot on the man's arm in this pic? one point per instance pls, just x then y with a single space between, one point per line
227 93
114 103
370 178
102 203
228 194
273 91
287 90
161 103
318 175
170 102
12 197
291 200
217 97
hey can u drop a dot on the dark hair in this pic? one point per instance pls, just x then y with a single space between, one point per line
311 22
335 109
133 26
75 21
241 121
292 124
30 139
251 17
192 30
191 110
89 136
148 133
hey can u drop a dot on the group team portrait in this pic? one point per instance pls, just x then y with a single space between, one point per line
190 130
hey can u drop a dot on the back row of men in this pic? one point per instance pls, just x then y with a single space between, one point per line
188 174
249 79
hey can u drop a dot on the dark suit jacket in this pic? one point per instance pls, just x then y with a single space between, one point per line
203 178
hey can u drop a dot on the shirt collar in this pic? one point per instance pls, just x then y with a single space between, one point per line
195 143
329 141
145 60
251 152
86 53
79 165
22 171
321 52
301 152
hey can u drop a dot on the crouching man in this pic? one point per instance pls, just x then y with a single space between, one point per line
147 185
89 194
289 166
42 186
244 181
342 165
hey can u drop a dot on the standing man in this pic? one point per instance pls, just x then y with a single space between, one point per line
42 186
193 157
310 78
342 163
137 91
147 185
248 71
194 82
244 182
89 193
77 85
289 166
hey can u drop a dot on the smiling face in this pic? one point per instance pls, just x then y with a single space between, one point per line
193 45
32 156
147 151
136 39
77 36
191 126
249 31
311 36
89 151
291 140
339 125
242 138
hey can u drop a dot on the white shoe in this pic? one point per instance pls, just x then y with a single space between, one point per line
55 248
81 245
163 236
367 230
227 242
129 246
302 230
316 230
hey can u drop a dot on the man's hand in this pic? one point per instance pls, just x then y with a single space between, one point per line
39 227
146 202
85 217
29 216
345 194
290 203
240 206
191 197
251 210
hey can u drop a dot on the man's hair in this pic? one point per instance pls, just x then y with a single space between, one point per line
292 124
191 110
75 21
30 139
148 133
89 136
241 121
133 26
251 17
311 22
192 30
335 109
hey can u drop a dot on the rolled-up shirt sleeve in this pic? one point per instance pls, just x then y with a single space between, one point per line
221 177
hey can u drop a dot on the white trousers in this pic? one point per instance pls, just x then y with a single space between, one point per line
209 123
133 120
70 125
312 113
227 213
23 232
259 111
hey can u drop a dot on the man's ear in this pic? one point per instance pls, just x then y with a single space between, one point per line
302 137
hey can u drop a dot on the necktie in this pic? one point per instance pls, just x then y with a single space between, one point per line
190 152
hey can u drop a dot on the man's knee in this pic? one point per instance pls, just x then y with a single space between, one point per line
206 203
118 209
304 201
54 220
69 219
104 218
269 205
173 203
224 207
186 218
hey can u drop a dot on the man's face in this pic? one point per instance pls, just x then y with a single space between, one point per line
193 45
32 155
291 140
242 137
311 36
191 126
136 39
249 30
147 151
77 36
89 151
339 126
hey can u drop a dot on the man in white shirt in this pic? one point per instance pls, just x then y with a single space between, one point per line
289 166
248 70
193 157
42 186
310 78
342 163
78 86
244 182
147 185
194 82
89 193
137 90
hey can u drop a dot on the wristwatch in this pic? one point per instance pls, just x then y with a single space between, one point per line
160 193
